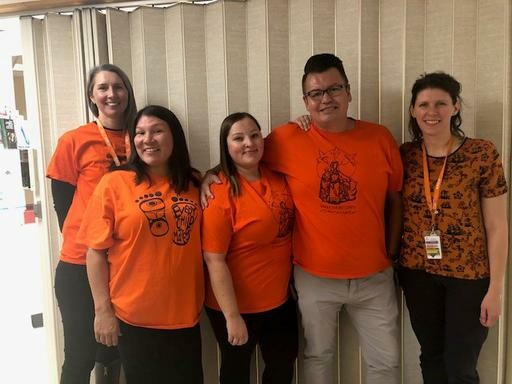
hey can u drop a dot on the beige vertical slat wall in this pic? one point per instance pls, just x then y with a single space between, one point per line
207 61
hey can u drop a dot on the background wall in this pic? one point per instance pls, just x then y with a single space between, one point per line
207 61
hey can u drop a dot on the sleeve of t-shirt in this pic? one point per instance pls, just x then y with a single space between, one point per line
492 180
217 226
397 173
97 228
273 152
63 164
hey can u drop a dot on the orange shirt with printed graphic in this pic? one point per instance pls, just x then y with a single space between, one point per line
81 159
254 231
339 182
154 249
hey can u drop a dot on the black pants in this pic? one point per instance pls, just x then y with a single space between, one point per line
445 316
77 311
276 333
161 356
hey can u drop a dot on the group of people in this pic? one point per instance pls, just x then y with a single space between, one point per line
325 207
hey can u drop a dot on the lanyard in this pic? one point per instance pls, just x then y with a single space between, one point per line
433 200
109 144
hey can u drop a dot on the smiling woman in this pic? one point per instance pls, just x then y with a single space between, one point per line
144 262
454 250
246 237
154 143
82 157
109 97
245 147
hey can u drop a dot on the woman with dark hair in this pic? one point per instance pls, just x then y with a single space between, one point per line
144 263
453 258
247 247
83 155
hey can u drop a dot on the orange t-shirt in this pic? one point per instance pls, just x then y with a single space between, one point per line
254 231
81 159
154 249
338 181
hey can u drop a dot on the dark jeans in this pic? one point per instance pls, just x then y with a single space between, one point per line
445 316
161 355
276 333
77 310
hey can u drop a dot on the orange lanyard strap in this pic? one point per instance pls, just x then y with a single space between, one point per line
433 200
110 148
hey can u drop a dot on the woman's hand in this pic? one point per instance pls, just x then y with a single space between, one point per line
490 309
303 122
237 331
106 328
206 194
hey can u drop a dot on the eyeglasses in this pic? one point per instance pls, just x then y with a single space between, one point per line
333 91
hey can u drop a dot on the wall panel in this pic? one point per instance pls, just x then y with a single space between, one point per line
301 47
257 62
64 91
323 17
196 85
414 54
267 62
236 55
464 58
83 22
216 74
149 72
369 62
439 35
348 38
491 71
391 53
98 35
278 65
118 39
186 76
226 56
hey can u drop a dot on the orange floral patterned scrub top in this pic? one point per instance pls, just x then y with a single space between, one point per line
474 171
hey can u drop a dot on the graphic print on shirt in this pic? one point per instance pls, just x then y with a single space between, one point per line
122 158
153 207
336 169
283 212
185 214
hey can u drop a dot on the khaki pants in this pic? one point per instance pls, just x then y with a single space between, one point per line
371 305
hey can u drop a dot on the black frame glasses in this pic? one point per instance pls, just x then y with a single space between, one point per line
332 91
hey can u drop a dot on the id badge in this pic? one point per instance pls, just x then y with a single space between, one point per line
433 245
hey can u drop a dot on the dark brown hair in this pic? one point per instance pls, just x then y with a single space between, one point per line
436 80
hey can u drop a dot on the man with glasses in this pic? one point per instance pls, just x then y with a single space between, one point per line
344 174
